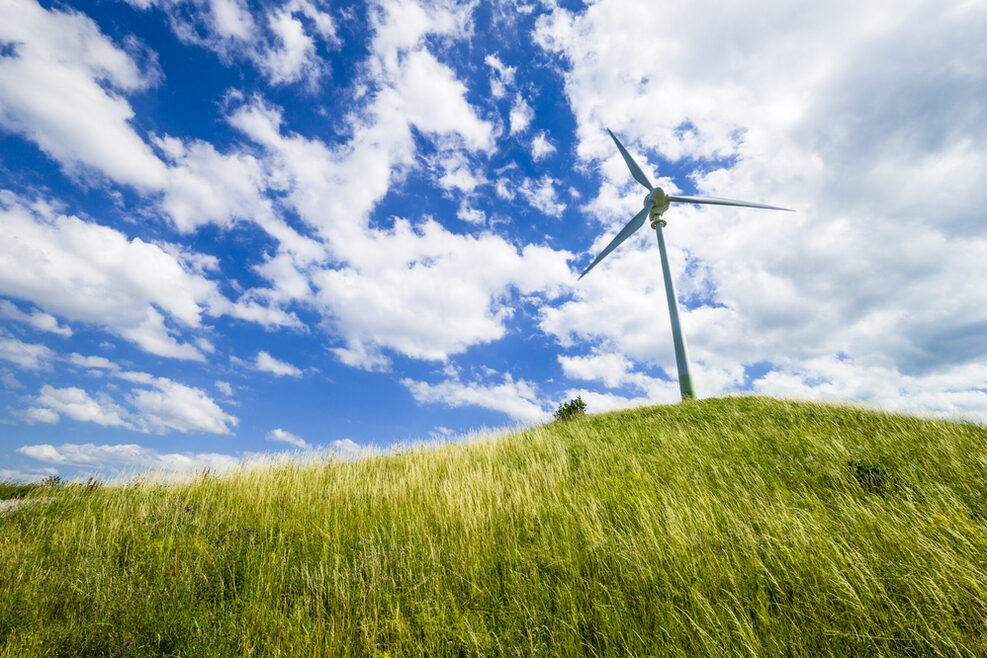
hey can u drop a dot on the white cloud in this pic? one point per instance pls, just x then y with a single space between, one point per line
542 195
40 415
36 318
56 89
611 369
171 405
224 388
78 405
281 41
132 456
92 362
231 19
32 356
157 405
279 434
26 474
504 189
502 76
875 143
471 215
346 448
956 392
458 174
294 55
342 448
9 380
110 459
541 147
267 363
521 115
420 293
91 273
518 399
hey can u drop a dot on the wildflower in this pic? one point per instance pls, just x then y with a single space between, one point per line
127 643
118 653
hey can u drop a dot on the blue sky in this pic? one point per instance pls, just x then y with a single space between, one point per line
234 228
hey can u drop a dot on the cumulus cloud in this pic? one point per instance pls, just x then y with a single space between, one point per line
27 474
35 318
155 404
267 363
518 399
521 115
57 89
346 448
76 404
542 195
541 147
9 380
281 41
471 215
91 362
32 356
91 273
501 76
341 448
279 434
173 406
113 458
40 415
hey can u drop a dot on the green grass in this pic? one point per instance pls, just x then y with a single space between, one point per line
11 490
726 527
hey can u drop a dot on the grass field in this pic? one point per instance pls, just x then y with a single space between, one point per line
725 527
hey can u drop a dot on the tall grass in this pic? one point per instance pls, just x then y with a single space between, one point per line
729 527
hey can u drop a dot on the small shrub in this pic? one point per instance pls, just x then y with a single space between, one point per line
52 481
571 409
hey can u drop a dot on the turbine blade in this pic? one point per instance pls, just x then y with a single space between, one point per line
716 201
635 170
625 233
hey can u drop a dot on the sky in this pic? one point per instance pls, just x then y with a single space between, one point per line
235 228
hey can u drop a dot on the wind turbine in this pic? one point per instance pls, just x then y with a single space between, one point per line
655 204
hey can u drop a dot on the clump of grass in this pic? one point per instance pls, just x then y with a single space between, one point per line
718 527
9 490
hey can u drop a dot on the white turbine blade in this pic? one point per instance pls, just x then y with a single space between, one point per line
625 233
635 170
716 201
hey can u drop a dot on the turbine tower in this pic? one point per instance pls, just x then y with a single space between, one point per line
655 205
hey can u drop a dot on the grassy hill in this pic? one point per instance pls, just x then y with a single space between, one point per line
738 526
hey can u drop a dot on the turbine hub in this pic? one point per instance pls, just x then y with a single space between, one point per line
658 201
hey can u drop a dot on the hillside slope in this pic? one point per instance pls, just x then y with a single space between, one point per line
737 526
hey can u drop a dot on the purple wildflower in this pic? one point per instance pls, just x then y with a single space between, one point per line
127 643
